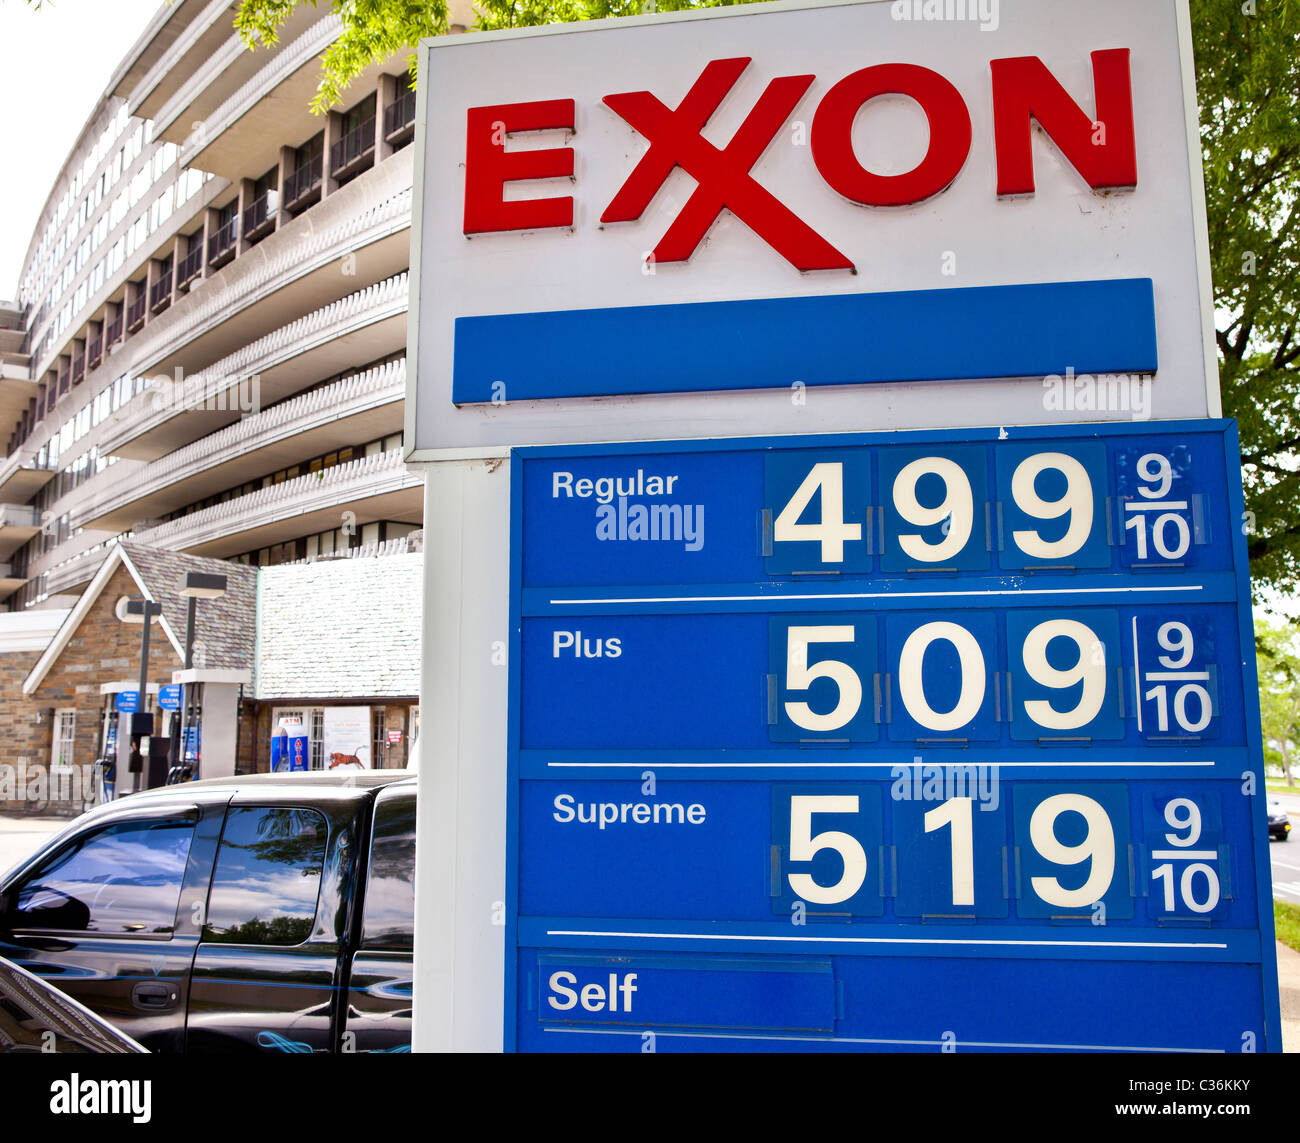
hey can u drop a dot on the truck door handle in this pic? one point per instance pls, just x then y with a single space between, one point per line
155 995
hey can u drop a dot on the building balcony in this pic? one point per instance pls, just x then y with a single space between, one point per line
360 233
399 119
18 524
363 326
259 217
302 187
10 580
378 487
354 152
113 333
17 391
160 293
365 406
95 351
24 473
222 244
78 369
191 266
135 313
244 130
73 563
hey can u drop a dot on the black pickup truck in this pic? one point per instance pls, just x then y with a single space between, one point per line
268 913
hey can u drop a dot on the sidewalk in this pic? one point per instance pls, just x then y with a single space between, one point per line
1288 985
21 835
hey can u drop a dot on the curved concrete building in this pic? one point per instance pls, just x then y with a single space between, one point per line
207 350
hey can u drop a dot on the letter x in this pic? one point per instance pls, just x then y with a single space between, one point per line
722 176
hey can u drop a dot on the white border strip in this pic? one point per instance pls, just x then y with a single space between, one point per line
842 765
872 1040
770 598
891 940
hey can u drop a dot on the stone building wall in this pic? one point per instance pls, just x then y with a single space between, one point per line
27 732
102 649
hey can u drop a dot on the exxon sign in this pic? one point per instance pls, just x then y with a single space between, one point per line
792 218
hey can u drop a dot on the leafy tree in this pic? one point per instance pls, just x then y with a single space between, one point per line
374 30
1248 83
1248 79
1277 652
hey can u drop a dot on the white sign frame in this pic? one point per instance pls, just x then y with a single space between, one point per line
437 429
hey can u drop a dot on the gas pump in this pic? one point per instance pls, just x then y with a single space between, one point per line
106 762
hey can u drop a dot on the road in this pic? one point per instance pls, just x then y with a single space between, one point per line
1285 855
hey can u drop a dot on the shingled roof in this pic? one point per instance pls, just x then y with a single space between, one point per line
226 627
346 628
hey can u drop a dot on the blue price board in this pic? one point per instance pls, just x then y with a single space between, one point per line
169 697
922 741
127 702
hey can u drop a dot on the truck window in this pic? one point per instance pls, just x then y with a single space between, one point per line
390 890
267 877
124 881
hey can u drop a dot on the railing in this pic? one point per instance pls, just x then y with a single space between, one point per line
298 256
78 368
258 214
222 243
366 476
353 147
95 351
19 516
114 330
412 542
303 181
135 312
36 459
289 59
382 384
64 382
160 293
375 303
399 116
191 265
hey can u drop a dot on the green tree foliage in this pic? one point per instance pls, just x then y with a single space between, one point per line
1277 653
1248 79
374 30
1248 83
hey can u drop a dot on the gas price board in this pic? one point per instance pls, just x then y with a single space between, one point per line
908 741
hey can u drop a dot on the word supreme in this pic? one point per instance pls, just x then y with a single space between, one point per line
1101 148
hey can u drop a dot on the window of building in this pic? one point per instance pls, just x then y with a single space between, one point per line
65 738
124 880
267 877
359 115
379 738
317 739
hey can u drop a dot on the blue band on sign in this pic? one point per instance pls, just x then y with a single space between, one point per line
842 339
